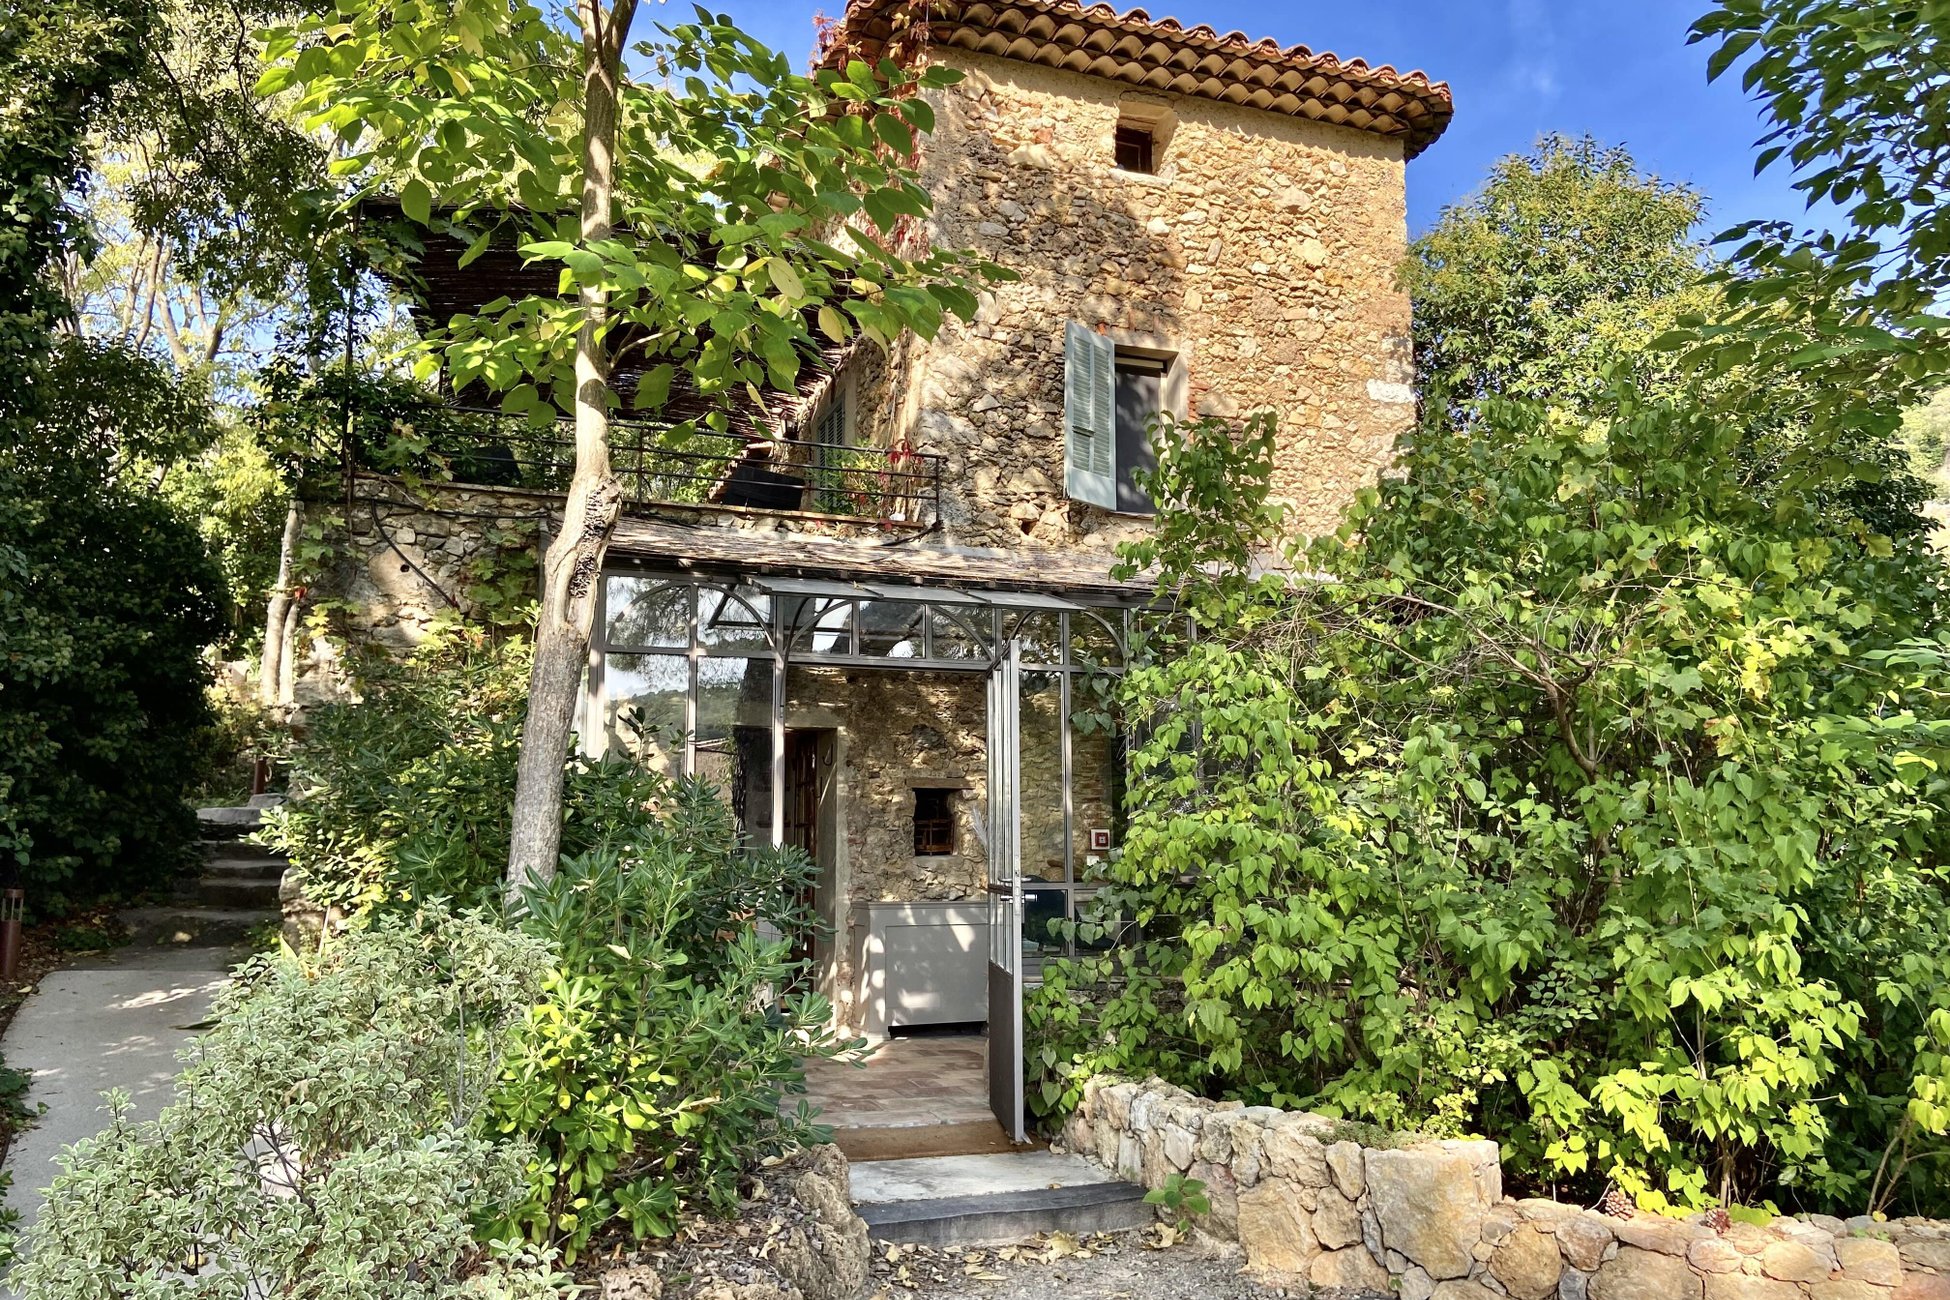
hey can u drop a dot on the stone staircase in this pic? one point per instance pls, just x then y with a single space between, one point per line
235 895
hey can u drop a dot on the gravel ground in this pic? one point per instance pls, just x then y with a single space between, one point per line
1123 1266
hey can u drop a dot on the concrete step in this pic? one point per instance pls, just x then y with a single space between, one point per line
195 927
988 1199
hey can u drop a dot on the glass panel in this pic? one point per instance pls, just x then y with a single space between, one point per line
644 713
1042 920
891 629
734 738
1092 644
1041 634
727 624
819 625
1041 746
960 633
647 613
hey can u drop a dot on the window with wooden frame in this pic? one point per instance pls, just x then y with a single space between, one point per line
1112 397
934 822
1135 148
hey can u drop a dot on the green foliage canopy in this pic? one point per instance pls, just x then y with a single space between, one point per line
734 176
1567 262
1582 799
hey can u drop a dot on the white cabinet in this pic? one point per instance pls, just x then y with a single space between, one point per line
919 964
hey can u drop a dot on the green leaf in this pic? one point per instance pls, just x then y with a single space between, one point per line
416 201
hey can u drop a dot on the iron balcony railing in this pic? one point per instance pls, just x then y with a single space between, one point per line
658 465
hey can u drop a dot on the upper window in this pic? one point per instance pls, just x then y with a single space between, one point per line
1112 395
1135 148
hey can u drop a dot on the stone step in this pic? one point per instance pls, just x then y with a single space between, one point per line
232 849
989 1199
224 824
244 892
244 868
195 927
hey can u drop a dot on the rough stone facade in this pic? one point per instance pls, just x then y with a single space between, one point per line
1314 1198
1264 251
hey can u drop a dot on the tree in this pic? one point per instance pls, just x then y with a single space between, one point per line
1858 106
1582 798
1566 263
738 186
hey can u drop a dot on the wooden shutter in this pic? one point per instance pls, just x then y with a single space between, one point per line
1090 417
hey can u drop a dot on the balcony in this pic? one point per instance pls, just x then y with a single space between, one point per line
660 466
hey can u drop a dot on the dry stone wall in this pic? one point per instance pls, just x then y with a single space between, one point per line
1264 251
1345 1206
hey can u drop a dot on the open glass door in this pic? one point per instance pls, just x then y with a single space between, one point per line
1005 892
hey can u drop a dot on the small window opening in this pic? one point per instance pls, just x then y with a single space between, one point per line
1135 148
934 822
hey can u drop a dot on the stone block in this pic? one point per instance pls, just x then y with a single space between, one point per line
1639 1274
1463 1289
1130 1159
1179 1146
1848 1289
1744 1286
1922 1286
1222 1194
1427 1204
1583 1238
1500 1222
1414 1284
1215 1138
1290 1153
1348 1167
1275 1230
1659 1234
1573 1285
1337 1222
1793 1261
1714 1255
1926 1252
1353 1269
1868 1259
1527 1263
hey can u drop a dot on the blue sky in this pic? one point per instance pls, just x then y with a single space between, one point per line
1519 68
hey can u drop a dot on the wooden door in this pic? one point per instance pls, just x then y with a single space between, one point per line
802 822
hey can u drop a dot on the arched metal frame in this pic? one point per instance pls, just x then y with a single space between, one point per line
880 626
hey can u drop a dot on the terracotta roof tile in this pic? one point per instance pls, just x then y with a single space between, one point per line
1164 55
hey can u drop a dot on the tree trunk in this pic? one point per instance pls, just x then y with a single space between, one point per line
573 564
270 670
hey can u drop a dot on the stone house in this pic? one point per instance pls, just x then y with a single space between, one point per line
881 626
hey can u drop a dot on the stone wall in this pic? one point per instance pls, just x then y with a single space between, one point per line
1264 251
406 557
1345 1206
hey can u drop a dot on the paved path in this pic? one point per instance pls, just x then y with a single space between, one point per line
113 1022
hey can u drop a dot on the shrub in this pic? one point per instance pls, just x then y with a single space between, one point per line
1590 798
404 792
325 1137
652 1070
107 600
